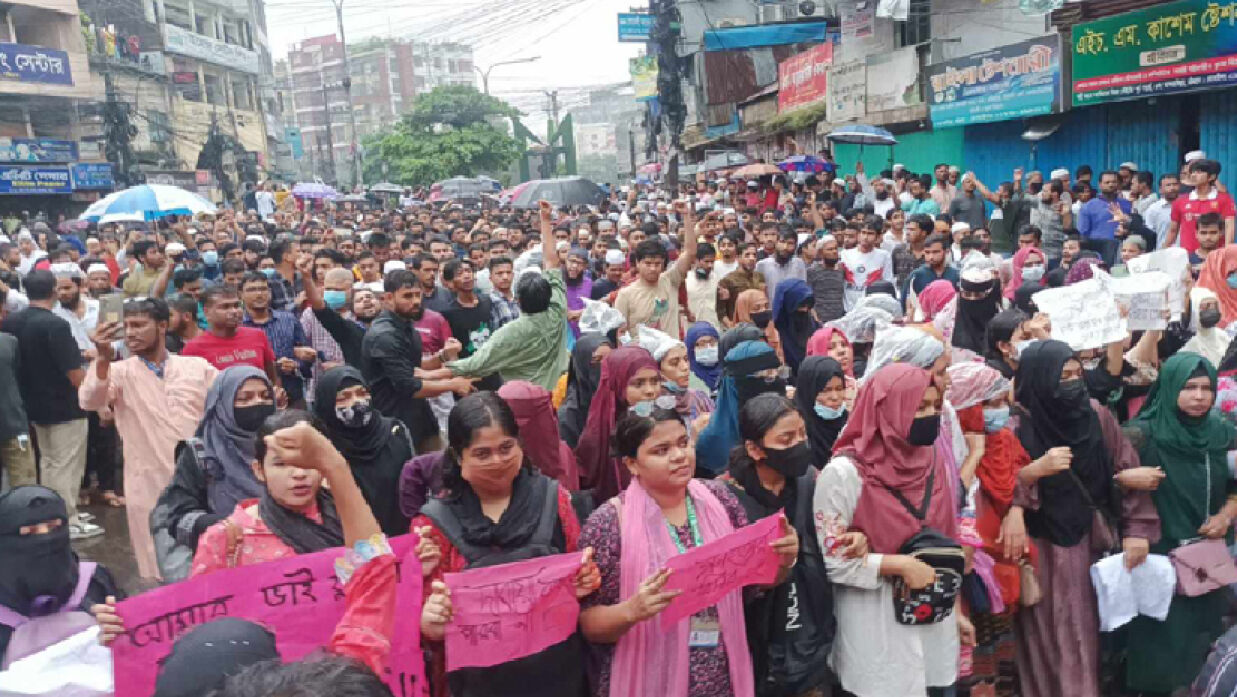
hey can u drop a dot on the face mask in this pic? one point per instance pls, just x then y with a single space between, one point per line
335 299
210 258
1090 363
673 387
750 388
250 418
702 273
789 462
995 419
1032 273
646 407
707 355
269 273
355 415
924 430
828 413
624 338
761 319
1020 346
1072 392
1209 317
1232 281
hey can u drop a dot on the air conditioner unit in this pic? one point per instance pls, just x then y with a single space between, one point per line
805 9
775 12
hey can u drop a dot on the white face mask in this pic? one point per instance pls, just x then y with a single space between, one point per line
707 355
624 338
1032 273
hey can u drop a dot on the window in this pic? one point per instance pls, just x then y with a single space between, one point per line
178 16
214 89
242 96
204 26
917 28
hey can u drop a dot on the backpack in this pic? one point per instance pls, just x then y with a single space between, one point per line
31 635
175 559
933 603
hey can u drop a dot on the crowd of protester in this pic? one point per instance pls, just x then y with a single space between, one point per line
861 353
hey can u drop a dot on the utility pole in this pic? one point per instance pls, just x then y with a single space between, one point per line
553 105
356 150
330 140
118 132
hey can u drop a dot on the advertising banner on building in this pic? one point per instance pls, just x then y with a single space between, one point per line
847 92
93 175
634 27
35 180
644 77
893 80
26 63
1171 47
37 150
803 78
1008 82
187 43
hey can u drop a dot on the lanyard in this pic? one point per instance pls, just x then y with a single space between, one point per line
692 526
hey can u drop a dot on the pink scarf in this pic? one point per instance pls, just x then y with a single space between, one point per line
648 661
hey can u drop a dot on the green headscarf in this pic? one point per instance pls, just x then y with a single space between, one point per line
1184 446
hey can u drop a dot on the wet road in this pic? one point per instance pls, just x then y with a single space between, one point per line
113 549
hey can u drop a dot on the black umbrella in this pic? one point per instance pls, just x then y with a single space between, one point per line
567 191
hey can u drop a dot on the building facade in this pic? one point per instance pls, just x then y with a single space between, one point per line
441 63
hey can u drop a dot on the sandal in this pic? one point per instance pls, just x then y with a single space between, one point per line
113 500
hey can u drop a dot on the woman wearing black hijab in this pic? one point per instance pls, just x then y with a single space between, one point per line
375 446
1076 447
820 395
979 299
45 591
736 335
583 375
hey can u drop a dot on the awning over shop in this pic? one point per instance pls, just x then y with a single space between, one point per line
733 38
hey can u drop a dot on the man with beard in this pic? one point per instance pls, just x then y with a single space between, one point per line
82 313
469 314
1052 216
98 280
391 357
767 236
783 264
157 400
613 264
1097 221
943 192
875 193
827 281
434 297
1159 214
866 263
701 286
967 205
743 278
579 286
183 325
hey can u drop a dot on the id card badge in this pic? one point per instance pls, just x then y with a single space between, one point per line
705 632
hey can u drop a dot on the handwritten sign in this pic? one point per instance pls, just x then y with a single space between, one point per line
709 572
1145 295
1083 315
501 613
1175 263
300 599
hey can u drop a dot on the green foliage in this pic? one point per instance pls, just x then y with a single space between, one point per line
448 132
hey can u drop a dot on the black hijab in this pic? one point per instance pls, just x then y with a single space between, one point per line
376 452
973 316
515 526
1022 298
299 532
582 380
38 573
202 660
743 331
1064 516
814 373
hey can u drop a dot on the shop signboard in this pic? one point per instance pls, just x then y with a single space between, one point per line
93 175
186 43
644 77
635 27
35 180
37 150
1008 82
803 78
847 92
1167 48
26 63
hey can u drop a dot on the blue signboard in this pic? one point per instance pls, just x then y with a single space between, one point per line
1010 82
634 27
35 180
37 150
292 136
27 63
93 175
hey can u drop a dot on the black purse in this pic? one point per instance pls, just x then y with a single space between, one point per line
935 602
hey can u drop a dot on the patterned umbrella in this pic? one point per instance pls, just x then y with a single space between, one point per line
148 202
806 163
314 190
753 171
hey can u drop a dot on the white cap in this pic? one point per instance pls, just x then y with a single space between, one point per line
67 269
827 238
615 256
98 268
175 248
1128 165
753 182
898 167
960 227
255 237
25 235
1195 155
954 169
1059 173
393 265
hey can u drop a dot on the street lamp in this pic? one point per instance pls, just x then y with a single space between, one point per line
485 74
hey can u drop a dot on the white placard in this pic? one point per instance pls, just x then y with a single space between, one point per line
1146 297
1173 261
75 667
1083 315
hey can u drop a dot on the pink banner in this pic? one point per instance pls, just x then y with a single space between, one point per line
300 599
707 573
501 613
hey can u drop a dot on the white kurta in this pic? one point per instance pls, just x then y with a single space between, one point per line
873 655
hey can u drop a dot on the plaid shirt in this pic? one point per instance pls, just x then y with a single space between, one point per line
283 294
285 334
502 310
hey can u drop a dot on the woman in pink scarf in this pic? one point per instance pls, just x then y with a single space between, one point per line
935 297
663 512
832 342
1028 265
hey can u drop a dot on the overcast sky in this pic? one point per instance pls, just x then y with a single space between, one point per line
575 39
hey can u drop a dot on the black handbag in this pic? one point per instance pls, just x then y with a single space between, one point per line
935 602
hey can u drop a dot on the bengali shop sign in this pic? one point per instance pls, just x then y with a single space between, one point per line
37 150
26 63
1172 47
847 92
635 27
186 43
35 180
1009 82
803 78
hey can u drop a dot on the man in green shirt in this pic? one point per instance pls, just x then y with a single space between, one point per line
532 347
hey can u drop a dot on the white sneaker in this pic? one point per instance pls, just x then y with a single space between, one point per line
84 531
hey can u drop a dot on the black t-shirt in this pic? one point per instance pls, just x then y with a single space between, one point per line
174 343
48 353
346 333
471 326
601 288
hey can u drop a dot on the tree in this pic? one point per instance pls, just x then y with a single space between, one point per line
449 131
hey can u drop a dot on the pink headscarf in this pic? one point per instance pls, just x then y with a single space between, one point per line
935 297
648 660
535 415
1020 259
598 469
818 345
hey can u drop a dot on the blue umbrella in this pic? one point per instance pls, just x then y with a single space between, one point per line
861 134
806 163
150 201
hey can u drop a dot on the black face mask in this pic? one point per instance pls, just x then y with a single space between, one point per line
250 418
750 388
924 430
1072 392
1209 317
790 462
761 319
